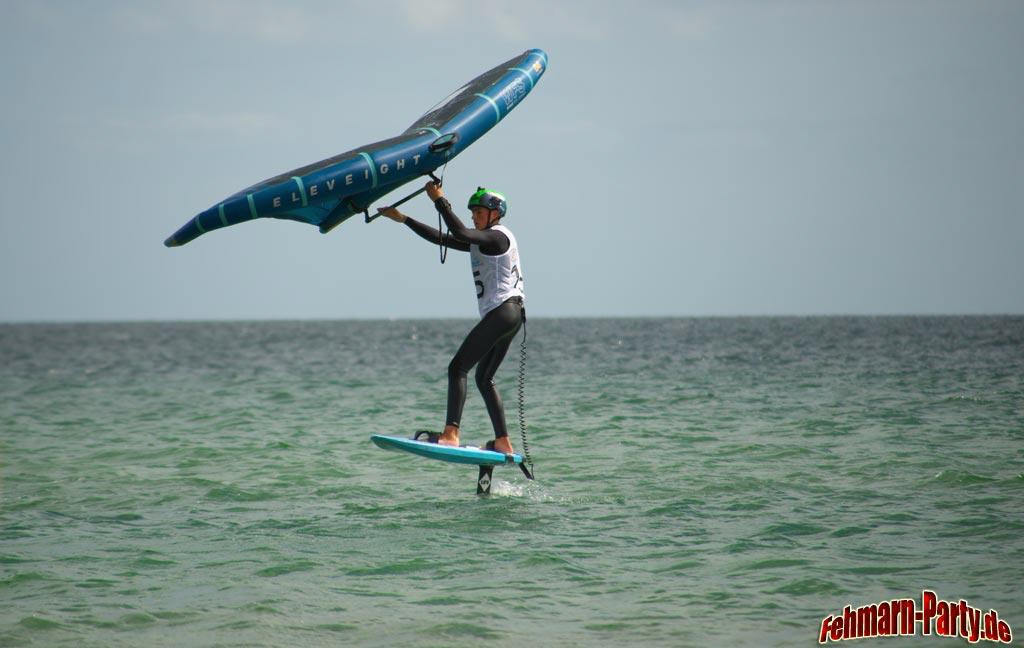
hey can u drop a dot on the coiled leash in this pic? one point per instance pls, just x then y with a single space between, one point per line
527 459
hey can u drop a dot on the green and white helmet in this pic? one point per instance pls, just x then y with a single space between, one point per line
489 199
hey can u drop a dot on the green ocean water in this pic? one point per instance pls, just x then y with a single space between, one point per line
700 482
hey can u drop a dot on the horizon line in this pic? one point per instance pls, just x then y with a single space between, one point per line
239 320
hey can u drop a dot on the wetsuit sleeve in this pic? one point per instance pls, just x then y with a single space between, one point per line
491 242
434 236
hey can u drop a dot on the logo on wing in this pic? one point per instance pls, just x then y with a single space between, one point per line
513 93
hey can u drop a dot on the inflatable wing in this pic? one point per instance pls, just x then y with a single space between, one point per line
329 191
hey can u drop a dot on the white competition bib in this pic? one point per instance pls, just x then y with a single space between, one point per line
497 278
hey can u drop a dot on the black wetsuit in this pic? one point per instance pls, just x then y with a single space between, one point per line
486 345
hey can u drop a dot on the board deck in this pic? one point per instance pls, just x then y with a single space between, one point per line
462 455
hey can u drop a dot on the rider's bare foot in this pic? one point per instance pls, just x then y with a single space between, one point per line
503 445
450 436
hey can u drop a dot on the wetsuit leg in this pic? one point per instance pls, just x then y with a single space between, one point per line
499 325
485 371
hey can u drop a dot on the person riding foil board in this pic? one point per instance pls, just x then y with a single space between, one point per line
498 276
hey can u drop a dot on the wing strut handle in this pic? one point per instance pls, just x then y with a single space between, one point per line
442 144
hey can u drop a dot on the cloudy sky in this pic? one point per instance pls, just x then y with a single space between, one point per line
677 158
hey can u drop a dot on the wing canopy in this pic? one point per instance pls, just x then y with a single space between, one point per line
328 192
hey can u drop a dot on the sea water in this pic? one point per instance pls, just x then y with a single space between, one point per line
699 482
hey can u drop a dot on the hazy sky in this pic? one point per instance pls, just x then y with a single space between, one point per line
677 158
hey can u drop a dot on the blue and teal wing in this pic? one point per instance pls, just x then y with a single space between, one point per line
328 192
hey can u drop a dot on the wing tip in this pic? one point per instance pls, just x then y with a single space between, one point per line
177 240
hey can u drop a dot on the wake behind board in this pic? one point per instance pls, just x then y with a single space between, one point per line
462 455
